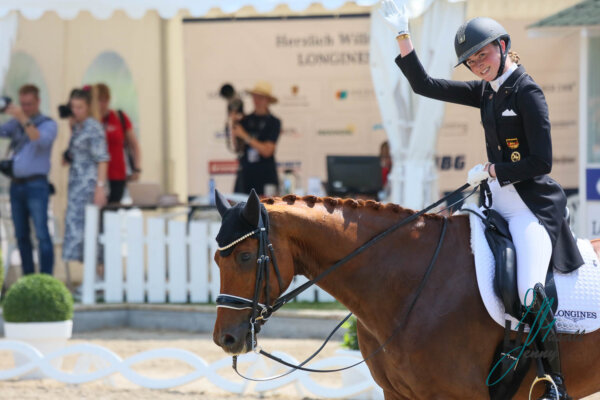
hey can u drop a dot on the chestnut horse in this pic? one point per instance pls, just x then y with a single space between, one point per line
446 347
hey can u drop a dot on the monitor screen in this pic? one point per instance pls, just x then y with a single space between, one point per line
350 175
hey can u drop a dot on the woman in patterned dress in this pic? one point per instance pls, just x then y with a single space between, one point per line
88 158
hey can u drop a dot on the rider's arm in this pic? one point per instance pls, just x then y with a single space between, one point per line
466 93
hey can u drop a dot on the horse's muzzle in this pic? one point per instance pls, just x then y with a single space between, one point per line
236 340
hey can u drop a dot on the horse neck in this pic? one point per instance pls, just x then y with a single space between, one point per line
318 236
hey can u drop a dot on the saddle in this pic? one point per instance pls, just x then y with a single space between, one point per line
500 241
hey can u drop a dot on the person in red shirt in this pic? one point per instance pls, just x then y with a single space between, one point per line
119 133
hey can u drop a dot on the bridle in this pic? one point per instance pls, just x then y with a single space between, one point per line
266 255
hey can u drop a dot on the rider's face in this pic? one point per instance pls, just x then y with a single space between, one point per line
485 62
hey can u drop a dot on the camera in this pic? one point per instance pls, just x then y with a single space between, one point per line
235 105
6 167
234 102
64 111
4 103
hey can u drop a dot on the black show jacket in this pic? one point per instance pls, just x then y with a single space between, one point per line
518 143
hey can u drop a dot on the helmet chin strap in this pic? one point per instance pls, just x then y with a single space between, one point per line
503 55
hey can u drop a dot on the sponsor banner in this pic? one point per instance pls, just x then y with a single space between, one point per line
218 167
593 219
319 72
593 183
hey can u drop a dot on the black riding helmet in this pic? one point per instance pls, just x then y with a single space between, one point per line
477 33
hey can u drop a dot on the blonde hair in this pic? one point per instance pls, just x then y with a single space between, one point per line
514 56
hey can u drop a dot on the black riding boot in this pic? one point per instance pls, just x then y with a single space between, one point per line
546 342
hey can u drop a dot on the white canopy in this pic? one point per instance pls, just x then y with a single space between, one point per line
103 9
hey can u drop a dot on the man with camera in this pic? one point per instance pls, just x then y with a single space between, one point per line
31 136
259 132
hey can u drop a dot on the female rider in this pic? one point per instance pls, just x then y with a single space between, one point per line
514 115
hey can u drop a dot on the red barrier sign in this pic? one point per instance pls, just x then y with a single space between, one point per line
222 167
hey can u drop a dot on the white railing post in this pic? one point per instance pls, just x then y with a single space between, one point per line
134 281
90 252
177 262
113 259
199 261
157 285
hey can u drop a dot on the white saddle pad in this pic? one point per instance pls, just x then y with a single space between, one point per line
578 292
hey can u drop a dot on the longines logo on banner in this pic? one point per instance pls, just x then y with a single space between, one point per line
575 315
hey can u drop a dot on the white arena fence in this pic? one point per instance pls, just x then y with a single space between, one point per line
99 363
156 260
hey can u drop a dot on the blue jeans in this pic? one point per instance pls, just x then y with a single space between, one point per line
30 200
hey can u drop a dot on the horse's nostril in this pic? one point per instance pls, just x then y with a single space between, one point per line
227 340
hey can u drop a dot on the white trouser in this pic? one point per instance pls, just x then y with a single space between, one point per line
532 242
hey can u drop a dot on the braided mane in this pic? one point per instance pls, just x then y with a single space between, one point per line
338 203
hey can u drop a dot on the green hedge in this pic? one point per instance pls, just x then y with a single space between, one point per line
38 298
350 338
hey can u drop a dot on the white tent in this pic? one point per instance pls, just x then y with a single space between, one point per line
411 122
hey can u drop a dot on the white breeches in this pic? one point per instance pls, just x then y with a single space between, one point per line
532 242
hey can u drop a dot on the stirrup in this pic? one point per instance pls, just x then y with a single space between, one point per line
546 378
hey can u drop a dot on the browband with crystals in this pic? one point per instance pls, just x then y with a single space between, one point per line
246 236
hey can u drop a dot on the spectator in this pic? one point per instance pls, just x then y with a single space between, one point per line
260 131
31 137
119 136
88 159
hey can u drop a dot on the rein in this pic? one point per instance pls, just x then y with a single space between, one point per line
262 312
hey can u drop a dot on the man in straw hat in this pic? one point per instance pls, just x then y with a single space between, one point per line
259 131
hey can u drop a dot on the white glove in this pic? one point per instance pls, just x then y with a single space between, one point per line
396 18
477 174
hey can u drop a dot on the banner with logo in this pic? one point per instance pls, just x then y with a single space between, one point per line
319 71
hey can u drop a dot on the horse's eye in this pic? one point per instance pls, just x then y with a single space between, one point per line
245 257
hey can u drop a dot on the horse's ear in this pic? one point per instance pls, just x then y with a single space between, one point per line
251 212
222 203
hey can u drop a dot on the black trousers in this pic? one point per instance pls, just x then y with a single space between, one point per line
117 189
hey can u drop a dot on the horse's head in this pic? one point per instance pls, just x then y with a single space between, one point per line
250 278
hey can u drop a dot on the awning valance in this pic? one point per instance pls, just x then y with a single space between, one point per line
103 9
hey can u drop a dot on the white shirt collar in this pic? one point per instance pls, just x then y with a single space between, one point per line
496 83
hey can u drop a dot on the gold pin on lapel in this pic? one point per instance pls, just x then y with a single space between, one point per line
515 156
512 143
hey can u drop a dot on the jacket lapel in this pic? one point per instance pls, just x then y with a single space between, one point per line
508 87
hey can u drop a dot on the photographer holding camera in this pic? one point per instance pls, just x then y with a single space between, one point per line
259 132
31 137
